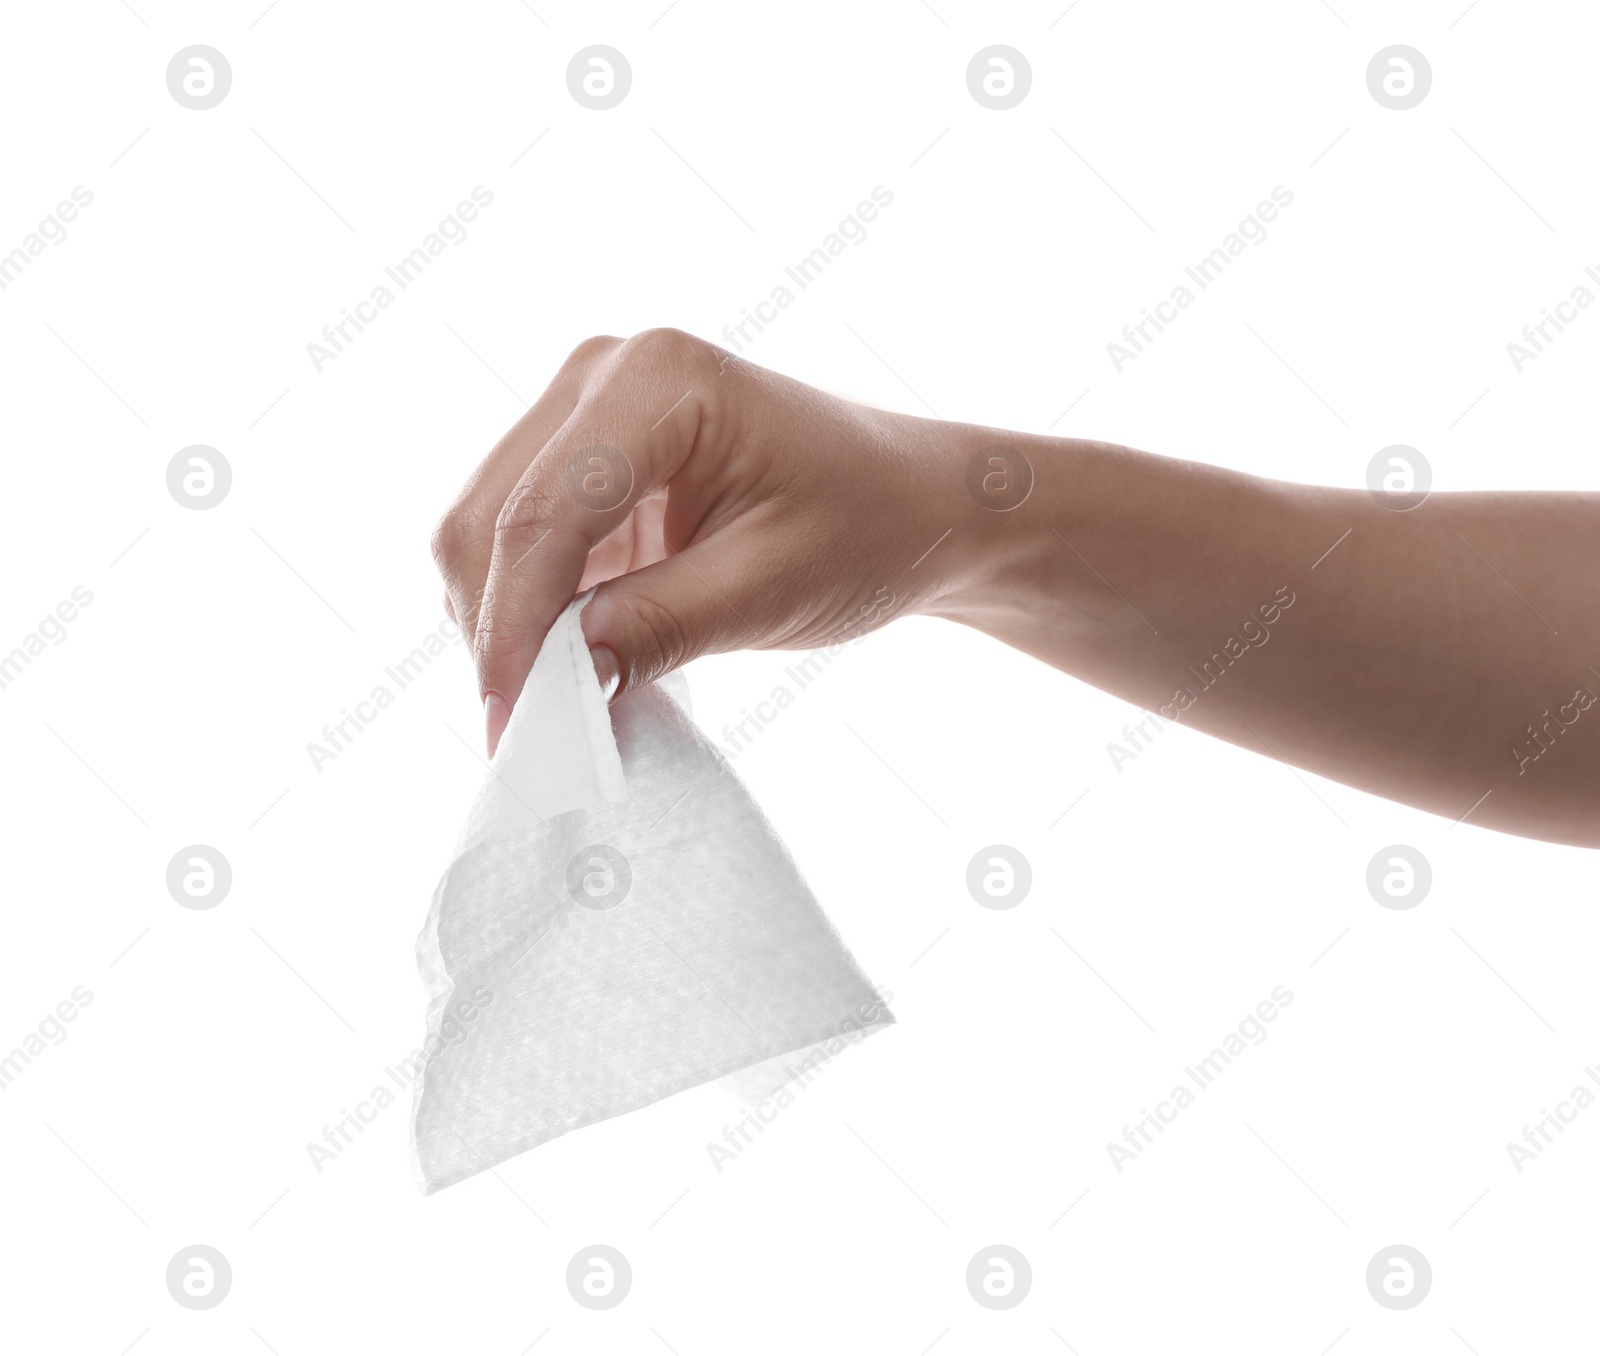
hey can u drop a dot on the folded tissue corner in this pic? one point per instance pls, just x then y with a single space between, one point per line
619 923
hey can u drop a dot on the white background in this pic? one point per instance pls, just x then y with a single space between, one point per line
1172 898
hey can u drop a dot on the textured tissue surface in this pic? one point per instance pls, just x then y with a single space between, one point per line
619 923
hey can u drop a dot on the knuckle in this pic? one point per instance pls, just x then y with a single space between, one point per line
449 540
532 505
505 646
495 637
590 350
662 347
658 640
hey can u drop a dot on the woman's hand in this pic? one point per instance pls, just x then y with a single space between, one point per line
719 506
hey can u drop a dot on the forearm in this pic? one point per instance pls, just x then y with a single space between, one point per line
1440 656
1405 653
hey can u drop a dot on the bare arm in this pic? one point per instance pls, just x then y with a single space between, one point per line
1434 655
1447 656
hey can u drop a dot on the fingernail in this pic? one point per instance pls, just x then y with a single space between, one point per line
496 712
607 670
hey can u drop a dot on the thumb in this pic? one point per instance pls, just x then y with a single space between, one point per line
642 625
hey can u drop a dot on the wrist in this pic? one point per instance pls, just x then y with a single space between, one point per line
1013 549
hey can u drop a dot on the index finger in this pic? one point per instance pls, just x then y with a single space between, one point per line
632 430
463 539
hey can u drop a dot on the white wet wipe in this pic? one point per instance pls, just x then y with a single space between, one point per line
619 923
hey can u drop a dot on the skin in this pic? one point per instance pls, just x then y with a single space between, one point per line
1438 656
